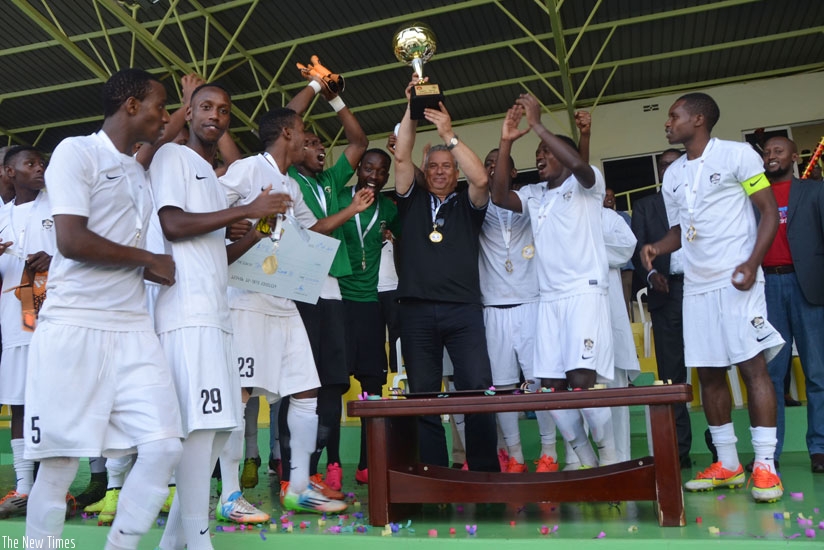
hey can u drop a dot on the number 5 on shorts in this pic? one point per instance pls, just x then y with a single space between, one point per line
35 430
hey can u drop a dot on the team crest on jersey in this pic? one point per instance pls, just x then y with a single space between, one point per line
715 178
589 343
757 322
327 190
47 224
567 195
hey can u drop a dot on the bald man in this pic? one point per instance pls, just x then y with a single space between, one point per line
794 269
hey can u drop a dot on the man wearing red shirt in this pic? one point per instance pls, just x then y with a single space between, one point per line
794 271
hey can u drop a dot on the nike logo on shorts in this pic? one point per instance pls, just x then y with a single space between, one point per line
108 177
585 358
204 531
763 338
200 177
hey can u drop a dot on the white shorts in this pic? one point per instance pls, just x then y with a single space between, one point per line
510 340
726 326
574 333
13 375
93 392
273 354
205 374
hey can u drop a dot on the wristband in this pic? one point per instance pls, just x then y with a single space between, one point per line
315 85
337 103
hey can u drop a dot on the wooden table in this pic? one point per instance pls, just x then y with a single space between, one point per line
399 483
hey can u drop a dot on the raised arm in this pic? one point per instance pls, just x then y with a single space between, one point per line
472 166
565 154
404 167
177 121
501 183
583 120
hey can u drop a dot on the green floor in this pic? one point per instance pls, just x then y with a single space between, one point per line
628 525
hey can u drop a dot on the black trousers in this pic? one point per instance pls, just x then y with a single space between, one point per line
426 328
668 325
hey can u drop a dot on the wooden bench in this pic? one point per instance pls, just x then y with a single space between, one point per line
399 483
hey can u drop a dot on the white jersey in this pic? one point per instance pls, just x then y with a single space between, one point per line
87 176
387 273
183 179
507 235
569 243
620 244
242 184
707 194
31 228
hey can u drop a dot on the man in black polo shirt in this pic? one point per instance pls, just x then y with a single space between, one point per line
438 286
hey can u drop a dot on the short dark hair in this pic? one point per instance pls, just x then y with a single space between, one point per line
209 85
380 152
698 103
672 150
124 84
272 123
12 152
495 150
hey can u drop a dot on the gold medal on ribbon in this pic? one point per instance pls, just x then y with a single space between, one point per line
691 233
528 252
508 265
270 264
436 236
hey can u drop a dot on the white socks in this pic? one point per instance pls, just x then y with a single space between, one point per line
23 469
723 437
763 443
143 493
46 511
303 426
571 425
230 458
508 423
118 468
600 425
546 427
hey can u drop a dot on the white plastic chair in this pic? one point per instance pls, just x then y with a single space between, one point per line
644 321
401 375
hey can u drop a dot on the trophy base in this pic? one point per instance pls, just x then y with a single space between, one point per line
424 96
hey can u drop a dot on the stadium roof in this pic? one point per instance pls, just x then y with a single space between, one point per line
55 54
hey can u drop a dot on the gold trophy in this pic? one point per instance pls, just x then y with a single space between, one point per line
415 45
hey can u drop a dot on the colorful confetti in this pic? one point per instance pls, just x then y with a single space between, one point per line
698 519
714 530
452 531
810 533
471 529
544 530
797 496
721 497
263 534
633 529
433 533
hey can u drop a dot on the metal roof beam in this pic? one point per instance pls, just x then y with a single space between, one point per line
61 38
563 63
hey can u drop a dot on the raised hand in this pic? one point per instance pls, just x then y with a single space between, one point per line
510 130
363 199
583 120
189 84
441 119
531 107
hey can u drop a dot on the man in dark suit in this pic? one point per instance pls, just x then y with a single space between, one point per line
794 273
666 290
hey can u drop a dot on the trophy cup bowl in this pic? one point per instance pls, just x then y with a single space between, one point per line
415 44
